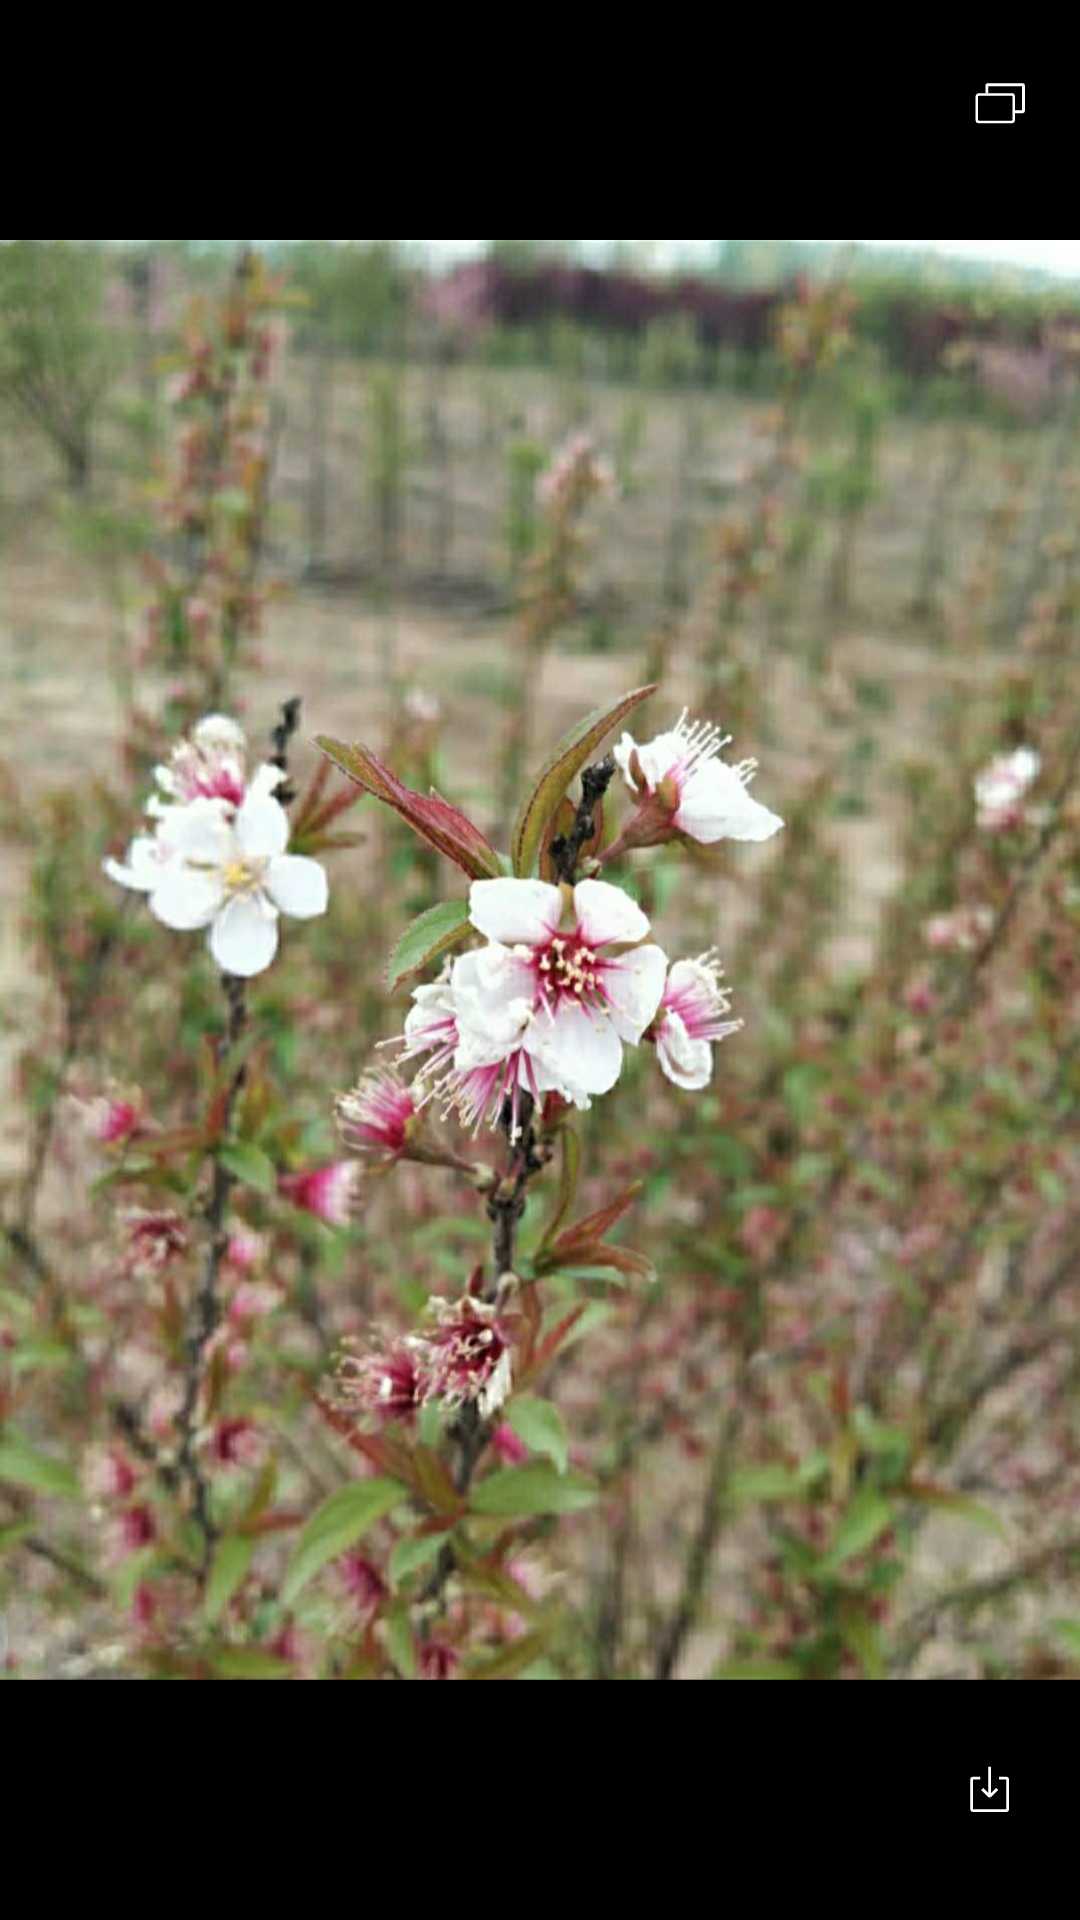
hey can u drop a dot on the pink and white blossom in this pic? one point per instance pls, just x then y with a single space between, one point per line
1001 787
683 785
209 766
386 1377
692 1020
376 1117
108 1474
961 931
466 1355
232 876
113 1119
329 1193
544 1007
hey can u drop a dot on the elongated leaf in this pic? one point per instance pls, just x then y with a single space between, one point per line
339 1523
248 1663
757 1670
765 1483
582 1239
23 1466
511 1663
865 1520
573 753
232 1559
520 1492
249 1164
442 826
959 1505
435 933
569 1173
541 1427
409 1555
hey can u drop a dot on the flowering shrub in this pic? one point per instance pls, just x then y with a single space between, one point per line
516 1238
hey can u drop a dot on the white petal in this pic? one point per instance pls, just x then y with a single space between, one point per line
144 866
687 1063
218 730
265 782
185 899
660 755
244 938
493 1001
715 805
517 912
262 827
606 914
634 986
581 1049
199 832
623 754
298 886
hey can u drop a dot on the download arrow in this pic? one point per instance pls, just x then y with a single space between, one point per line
989 1791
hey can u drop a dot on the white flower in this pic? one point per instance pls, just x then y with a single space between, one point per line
1000 788
542 1008
691 1022
209 766
204 869
699 794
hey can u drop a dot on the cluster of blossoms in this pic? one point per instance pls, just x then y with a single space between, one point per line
216 856
568 978
961 931
1001 788
462 1358
574 475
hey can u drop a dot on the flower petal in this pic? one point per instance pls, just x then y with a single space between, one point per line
606 914
516 912
581 1049
298 886
244 938
185 899
199 832
688 1063
144 868
634 987
715 805
262 827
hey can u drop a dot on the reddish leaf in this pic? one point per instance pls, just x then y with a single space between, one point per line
442 826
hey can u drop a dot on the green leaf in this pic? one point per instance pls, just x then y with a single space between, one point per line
960 1506
410 1555
400 1642
569 1172
23 1466
868 1516
247 1663
436 931
765 1483
511 1663
518 1492
541 1427
339 1523
573 752
228 1572
757 1670
249 1164
1068 1631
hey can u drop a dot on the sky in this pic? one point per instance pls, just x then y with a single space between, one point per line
1055 256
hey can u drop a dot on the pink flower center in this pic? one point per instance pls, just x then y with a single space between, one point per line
568 969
